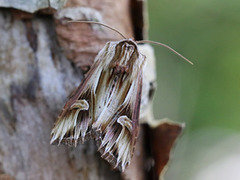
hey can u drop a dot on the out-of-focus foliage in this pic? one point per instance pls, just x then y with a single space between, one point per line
205 96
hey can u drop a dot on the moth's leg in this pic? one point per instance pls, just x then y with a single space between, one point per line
72 124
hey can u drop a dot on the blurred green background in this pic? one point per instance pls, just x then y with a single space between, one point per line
205 96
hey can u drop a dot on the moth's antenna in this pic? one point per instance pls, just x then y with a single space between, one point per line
166 46
95 22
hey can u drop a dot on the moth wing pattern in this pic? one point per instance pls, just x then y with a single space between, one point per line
73 124
106 105
118 132
118 102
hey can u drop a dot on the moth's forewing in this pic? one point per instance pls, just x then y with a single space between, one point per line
118 99
75 121
107 104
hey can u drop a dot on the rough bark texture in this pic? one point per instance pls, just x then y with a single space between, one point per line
82 42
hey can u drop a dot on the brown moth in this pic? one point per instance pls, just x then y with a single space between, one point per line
106 105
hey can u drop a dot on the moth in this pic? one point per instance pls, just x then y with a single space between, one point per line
106 105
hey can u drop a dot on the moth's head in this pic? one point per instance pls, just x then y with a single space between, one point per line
126 54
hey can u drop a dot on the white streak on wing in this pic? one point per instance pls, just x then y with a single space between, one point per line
69 121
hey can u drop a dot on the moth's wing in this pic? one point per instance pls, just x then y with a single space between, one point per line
118 132
74 122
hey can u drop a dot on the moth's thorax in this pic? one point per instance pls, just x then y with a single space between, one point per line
124 57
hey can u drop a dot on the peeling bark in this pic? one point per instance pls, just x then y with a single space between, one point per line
81 42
